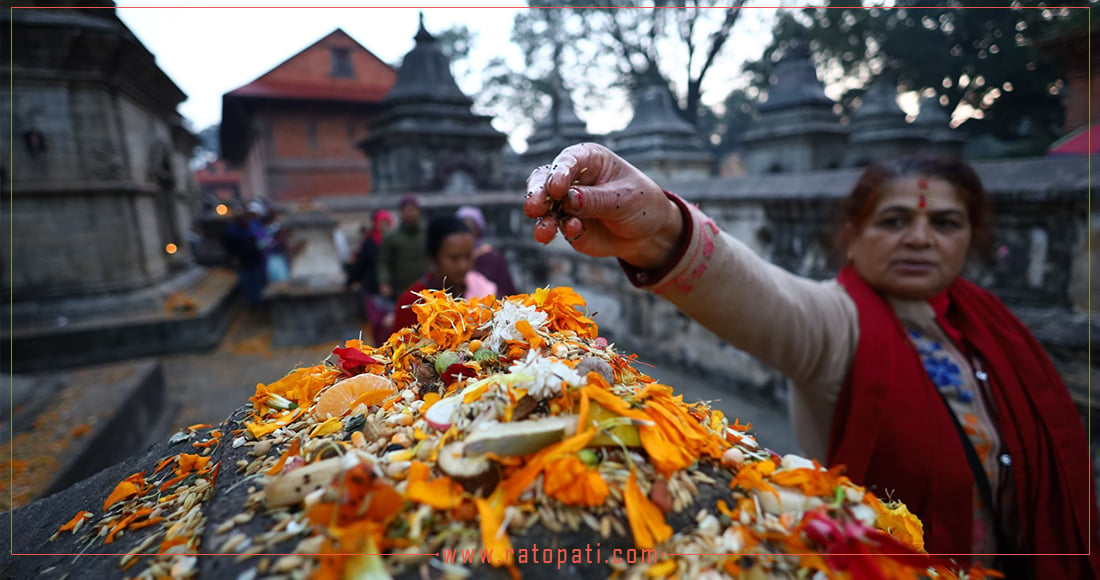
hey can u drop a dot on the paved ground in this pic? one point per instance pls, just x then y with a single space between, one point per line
208 386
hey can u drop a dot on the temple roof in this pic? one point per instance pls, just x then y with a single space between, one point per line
299 77
309 76
880 100
932 114
654 112
568 125
425 73
796 82
657 129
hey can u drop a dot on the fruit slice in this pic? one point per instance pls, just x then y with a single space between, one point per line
520 437
440 416
627 434
474 474
367 389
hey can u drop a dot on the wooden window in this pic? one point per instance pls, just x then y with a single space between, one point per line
341 63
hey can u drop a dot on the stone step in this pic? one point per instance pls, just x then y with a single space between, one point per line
100 330
29 396
94 418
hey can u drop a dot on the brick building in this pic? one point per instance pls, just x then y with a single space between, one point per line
292 131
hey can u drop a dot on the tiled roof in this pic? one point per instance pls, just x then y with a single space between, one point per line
333 91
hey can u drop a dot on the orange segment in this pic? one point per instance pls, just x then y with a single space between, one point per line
340 398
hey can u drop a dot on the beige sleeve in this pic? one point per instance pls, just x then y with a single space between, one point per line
805 329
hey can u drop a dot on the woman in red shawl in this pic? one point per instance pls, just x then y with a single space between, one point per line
923 385
363 273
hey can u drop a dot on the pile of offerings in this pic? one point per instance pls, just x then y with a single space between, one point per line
497 438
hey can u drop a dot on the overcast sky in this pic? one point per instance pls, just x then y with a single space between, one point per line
210 51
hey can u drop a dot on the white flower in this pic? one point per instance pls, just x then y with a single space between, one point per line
503 325
546 375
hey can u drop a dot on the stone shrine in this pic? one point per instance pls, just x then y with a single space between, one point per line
879 130
425 137
560 128
311 307
659 141
798 129
102 197
934 121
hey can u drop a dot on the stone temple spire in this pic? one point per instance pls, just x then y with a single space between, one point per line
659 141
425 74
797 129
425 138
560 128
879 130
796 82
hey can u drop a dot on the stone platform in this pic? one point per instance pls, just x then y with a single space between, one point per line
70 425
189 312
303 313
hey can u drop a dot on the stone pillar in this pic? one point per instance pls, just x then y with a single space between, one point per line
312 307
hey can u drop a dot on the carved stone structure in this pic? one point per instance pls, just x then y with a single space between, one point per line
934 121
425 138
660 142
797 129
560 128
879 130
102 196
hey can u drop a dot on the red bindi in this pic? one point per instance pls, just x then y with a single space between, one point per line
921 202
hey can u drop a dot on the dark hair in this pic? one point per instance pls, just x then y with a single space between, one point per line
857 208
441 227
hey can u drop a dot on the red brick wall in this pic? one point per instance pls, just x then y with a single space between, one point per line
310 149
1077 100
304 134
314 65
306 185
314 154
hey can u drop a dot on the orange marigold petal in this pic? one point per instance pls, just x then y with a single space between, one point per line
647 521
79 517
440 493
124 490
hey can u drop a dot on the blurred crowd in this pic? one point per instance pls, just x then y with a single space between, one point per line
394 258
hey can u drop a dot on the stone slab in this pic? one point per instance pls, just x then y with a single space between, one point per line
29 396
96 417
193 318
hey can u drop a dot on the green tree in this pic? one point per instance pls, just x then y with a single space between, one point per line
602 50
455 42
985 61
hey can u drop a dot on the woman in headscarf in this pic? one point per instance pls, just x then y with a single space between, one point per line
487 260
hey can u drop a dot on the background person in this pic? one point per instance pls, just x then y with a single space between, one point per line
487 259
401 258
922 384
243 250
362 274
450 249
274 243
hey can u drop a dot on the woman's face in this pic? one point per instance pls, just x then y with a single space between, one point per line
456 258
916 239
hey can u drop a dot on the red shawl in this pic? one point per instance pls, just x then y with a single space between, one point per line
892 430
